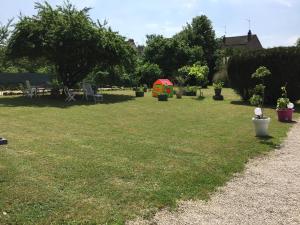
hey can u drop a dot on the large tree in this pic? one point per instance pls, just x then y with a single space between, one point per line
170 54
200 33
67 38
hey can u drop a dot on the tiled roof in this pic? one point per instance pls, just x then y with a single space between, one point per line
242 41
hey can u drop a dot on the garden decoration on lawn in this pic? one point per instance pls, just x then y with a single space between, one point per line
260 122
284 107
218 89
139 92
163 86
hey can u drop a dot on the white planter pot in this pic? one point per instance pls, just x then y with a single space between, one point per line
261 126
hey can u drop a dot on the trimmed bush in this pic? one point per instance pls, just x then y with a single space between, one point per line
284 64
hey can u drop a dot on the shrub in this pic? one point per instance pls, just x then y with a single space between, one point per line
283 64
218 85
284 101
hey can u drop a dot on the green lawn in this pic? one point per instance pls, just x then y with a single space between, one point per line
71 163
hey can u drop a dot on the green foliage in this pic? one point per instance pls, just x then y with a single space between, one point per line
4 32
169 53
256 100
285 67
261 73
183 71
199 72
70 40
200 34
258 96
148 73
218 84
282 103
190 91
11 81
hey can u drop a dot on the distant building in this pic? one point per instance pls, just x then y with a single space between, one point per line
139 48
250 42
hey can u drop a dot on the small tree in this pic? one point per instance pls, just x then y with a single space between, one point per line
258 96
68 39
200 73
148 73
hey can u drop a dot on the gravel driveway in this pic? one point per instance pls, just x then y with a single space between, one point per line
268 192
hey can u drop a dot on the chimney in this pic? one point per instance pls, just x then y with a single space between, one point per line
249 35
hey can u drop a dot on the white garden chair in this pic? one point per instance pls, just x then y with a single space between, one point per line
30 91
89 92
70 95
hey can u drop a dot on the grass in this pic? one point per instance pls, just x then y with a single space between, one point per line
80 163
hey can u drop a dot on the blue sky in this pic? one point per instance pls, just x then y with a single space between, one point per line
276 22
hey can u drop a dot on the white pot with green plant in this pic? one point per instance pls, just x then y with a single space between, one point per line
261 123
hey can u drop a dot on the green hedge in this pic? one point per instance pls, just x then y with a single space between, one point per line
11 81
283 62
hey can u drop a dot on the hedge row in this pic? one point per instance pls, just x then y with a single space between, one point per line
11 81
283 62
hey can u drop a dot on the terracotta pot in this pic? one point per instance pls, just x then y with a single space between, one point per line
285 115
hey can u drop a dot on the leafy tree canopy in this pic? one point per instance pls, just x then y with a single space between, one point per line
170 54
200 33
148 73
67 38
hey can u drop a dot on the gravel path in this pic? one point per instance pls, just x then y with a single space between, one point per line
268 192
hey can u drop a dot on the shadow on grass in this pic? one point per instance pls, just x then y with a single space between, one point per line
47 101
268 141
245 103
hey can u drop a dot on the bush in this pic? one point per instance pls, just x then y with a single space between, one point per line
283 64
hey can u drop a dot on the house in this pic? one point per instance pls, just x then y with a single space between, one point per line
249 42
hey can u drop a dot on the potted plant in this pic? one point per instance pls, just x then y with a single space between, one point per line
200 73
284 107
190 91
163 97
218 85
139 92
261 123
